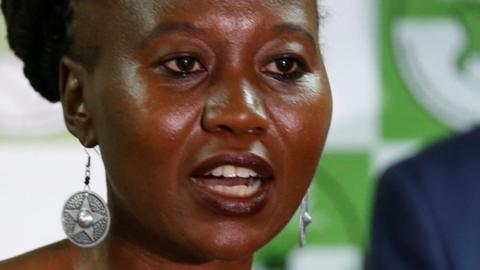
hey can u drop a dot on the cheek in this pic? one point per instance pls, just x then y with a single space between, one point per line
136 116
141 128
302 123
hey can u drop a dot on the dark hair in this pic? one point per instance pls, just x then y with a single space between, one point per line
37 33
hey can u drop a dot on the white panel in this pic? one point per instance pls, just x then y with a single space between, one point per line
331 258
349 43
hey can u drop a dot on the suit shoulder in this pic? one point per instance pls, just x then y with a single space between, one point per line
57 256
439 168
459 152
459 145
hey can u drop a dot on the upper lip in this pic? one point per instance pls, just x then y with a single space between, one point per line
246 160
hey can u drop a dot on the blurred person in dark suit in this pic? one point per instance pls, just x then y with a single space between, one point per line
427 210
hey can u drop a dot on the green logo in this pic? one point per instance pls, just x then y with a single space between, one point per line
430 60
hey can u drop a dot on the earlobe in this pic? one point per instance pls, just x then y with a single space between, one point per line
78 118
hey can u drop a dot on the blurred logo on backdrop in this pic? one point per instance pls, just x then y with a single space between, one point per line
23 112
433 46
439 57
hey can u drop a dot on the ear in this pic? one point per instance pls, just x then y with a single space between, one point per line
78 118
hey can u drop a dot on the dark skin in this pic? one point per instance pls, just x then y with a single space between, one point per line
161 86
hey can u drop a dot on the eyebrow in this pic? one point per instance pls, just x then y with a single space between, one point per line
292 27
171 27
187 27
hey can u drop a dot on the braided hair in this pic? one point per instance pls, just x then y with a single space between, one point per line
37 33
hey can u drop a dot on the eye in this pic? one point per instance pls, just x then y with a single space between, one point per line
183 65
285 68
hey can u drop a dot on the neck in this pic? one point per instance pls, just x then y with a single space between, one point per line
119 253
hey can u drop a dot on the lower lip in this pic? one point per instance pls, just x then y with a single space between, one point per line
229 205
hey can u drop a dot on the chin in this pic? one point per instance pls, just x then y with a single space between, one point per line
232 244
234 247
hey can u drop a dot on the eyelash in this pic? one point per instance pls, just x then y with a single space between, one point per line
195 65
296 71
295 67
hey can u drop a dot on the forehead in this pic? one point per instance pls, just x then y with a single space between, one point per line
99 11
102 21
169 4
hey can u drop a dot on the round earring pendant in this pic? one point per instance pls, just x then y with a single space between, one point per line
85 219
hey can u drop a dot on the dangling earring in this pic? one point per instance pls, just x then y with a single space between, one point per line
304 220
85 215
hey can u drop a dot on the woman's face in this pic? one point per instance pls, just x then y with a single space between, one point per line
210 115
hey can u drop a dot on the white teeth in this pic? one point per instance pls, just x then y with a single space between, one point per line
240 190
229 171
237 191
217 172
243 172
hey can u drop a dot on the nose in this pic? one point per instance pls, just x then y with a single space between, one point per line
235 108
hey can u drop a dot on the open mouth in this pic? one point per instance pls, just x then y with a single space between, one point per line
234 183
231 181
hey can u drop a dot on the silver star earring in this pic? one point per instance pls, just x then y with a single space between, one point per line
85 215
304 220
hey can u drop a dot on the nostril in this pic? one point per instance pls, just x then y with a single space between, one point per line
239 130
224 128
256 131
229 129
